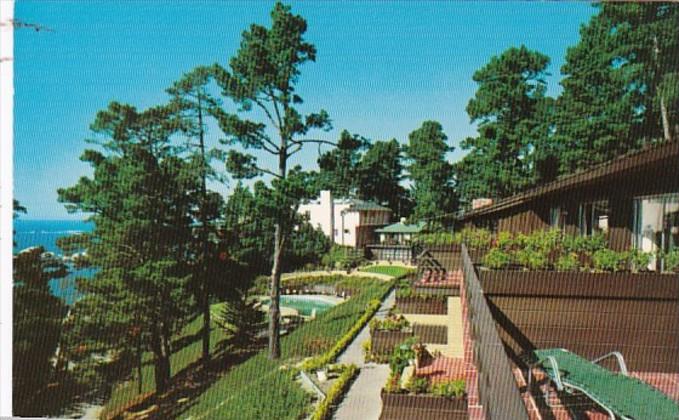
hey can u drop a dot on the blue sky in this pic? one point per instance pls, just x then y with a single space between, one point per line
382 68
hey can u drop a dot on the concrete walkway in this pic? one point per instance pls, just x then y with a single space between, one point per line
363 400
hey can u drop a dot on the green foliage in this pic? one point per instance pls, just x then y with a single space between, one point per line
342 258
533 259
417 385
638 260
141 200
395 271
336 392
512 113
567 262
671 260
438 238
393 385
608 260
338 168
263 388
37 326
497 259
263 75
616 80
241 320
476 238
454 388
390 323
430 172
380 172
401 355
342 343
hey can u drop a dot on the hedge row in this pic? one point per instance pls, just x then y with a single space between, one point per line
330 356
336 392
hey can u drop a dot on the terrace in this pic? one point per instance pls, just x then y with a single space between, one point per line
506 314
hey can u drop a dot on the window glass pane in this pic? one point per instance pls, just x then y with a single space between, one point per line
593 217
657 225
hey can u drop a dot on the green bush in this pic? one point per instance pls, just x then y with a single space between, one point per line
401 355
438 238
531 258
567 262
337 390
417 385
497 259
393 385
328 357
476 238
450 389
391 323
671 260
638 260
608 260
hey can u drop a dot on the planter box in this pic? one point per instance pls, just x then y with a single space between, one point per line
422 407
383 342
431 334
578 284
437 290
416 305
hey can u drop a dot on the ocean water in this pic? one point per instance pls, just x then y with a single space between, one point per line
30 233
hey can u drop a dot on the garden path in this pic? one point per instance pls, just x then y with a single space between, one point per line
363 400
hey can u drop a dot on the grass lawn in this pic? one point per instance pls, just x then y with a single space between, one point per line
390 270
125 392
263 389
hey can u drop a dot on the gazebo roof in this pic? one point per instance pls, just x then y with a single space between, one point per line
401 228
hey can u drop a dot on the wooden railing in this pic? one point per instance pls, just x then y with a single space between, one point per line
498 391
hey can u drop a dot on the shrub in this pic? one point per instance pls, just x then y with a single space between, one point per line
505 241
476 238
337 390
671 260
417 385
638 260
342 343
497 259
567 262
608 260
390 323
393 384
531 258
401 355
449 389
438 238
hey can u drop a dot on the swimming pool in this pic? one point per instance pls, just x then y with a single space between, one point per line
305 304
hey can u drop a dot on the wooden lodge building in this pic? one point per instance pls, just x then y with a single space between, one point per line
633 199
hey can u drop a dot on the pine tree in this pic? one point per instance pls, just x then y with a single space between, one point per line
430 172
139 202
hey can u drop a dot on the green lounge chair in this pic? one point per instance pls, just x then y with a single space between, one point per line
616 392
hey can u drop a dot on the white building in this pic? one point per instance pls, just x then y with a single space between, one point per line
349 222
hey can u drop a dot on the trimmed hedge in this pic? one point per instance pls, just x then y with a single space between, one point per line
336 392
330 356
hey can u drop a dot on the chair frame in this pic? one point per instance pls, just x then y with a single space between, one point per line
564 385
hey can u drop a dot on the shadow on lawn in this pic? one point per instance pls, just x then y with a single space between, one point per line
188 384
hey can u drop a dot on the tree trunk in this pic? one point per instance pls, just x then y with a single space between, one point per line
161 359
274 305
275 292
667 129
204 289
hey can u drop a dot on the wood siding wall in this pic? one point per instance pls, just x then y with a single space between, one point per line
618 189
588 313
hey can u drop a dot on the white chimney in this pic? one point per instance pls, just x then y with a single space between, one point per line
477 203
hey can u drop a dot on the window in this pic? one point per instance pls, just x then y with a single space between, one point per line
335 232
346 230
593 218
557 217
656 225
